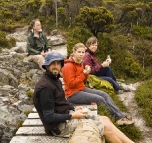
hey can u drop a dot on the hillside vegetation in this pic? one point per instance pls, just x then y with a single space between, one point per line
123 28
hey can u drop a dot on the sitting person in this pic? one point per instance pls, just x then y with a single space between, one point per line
101 70
56 112
74 76
37 44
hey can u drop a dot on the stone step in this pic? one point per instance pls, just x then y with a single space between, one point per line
38 139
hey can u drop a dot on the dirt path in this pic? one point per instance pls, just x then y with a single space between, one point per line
134 111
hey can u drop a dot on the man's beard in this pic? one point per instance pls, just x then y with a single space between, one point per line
56 72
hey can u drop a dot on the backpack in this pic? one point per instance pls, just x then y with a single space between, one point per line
86 132
99 84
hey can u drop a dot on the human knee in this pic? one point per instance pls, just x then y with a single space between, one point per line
105 120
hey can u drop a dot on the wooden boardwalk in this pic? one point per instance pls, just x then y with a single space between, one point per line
32 130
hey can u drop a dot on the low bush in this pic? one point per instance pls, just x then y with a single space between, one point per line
144 100
3 41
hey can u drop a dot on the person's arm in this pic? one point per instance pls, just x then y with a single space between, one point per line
30 47
92 62
47 105
47 44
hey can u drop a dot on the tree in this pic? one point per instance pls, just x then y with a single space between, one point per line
96 19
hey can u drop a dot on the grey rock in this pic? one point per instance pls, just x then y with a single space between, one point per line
18 76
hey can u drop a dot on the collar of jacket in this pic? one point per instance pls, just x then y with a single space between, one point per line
52 76
72 60
34 35
89 51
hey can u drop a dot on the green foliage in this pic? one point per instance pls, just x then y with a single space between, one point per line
127 7
12 42
75 36
27 112
144 100
147 73
47 23
62 16
19 124
132 131
29 93
103 111
142 32
96 19
3 41
7 14
132 68
142 51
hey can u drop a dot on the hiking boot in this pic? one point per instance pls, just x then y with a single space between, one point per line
125 121
125 88
119 92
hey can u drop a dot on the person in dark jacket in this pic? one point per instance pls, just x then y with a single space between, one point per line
99 69
37 43
56 113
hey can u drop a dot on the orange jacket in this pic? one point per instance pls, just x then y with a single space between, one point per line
73 77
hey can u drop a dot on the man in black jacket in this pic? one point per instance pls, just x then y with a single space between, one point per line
56 113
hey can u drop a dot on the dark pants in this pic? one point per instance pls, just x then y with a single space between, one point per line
89 95
106 74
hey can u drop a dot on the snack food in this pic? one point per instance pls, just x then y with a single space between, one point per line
87 67
108 59
85 111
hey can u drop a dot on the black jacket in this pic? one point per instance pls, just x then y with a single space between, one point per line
60 105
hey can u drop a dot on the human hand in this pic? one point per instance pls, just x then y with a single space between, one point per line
87 69
44 54
105 64
78 114
49 50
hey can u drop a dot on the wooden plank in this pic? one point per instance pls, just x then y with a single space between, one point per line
38 139
36 116
32 122
33 116
91 107
25 131
34 110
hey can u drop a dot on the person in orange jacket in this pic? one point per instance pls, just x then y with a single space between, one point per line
75 75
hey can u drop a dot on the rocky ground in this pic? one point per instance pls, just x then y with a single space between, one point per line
134 111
